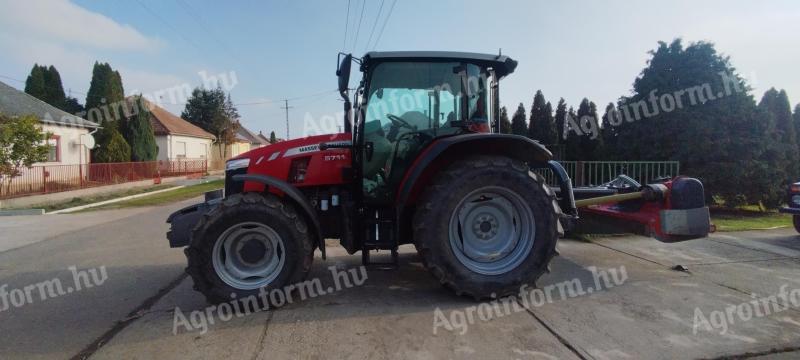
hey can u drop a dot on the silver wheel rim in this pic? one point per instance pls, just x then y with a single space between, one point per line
492 230
248 255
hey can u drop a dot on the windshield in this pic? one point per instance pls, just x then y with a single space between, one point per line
428 95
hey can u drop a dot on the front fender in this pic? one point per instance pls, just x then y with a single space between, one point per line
296 196
183 221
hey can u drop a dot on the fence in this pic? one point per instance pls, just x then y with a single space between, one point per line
54 178
588 173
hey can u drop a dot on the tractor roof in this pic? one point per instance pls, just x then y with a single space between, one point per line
502 64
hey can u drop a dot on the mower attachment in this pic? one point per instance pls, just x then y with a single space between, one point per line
670 211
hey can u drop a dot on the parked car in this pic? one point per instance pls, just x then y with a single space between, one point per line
793 206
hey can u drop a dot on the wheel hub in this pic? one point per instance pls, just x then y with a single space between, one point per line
248 255
492 230
485 226
253 250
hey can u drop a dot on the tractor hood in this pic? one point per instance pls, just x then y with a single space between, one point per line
294 147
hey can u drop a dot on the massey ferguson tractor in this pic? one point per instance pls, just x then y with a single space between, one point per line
421 161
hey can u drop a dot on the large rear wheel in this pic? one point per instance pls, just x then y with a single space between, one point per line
249 242
486 226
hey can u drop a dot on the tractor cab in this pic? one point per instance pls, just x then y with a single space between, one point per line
406 100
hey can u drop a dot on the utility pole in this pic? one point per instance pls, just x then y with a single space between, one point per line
287 107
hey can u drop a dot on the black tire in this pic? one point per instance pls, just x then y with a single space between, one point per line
249 207
440 200
796 221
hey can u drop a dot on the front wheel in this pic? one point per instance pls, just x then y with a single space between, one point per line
249 242
487 226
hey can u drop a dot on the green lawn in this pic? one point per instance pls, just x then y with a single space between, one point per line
83 200
739 220
184 193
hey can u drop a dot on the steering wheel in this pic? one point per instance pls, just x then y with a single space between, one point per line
399 122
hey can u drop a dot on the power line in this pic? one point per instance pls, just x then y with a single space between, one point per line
346 26
199 20
372 32
287 99
195 15
159 18
358 29
386 21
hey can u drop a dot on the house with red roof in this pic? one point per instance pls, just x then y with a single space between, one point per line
177 138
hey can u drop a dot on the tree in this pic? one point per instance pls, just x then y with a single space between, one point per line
72 106
797 124
214 112
572 149
505 123
549 135
104 105
272 138
106 95
541 126
21 145
139 132
718 139
54 89
518 125
560 119
589 142
116 149
44 83
608 132
34 84
777 104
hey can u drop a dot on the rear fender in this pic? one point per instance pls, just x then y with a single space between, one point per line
445 151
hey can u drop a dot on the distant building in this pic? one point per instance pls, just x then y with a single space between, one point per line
68 132
177 138
255 141
261 135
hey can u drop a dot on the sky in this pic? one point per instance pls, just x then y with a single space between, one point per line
268 51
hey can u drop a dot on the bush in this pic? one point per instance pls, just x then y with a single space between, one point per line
115 150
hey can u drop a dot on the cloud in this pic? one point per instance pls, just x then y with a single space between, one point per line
64 22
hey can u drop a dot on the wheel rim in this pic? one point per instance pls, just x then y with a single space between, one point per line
492 230
248 255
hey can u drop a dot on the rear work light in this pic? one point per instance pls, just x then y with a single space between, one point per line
298 168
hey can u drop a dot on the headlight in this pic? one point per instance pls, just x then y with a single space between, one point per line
237 164
796 199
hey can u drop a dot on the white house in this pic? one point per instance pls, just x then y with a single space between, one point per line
178 139
69 133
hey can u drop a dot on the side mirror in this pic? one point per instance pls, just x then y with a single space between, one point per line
343 71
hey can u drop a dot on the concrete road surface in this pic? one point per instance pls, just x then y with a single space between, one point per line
612 298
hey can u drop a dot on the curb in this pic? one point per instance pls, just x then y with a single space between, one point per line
21 212
87 206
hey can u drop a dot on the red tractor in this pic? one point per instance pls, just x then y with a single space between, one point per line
421 161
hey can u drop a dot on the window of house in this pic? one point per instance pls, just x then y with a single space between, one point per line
180 149
54 149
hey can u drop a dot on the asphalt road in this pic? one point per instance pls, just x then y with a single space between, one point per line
648 311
